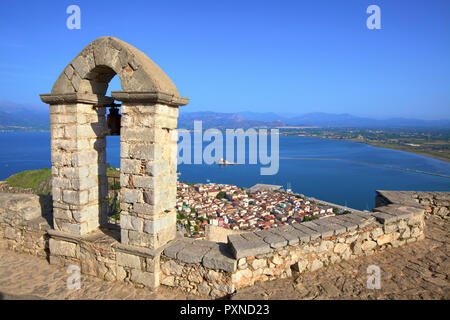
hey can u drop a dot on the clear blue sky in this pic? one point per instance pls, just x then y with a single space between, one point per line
227 56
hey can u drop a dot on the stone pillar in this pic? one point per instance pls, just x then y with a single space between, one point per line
148 155
79 182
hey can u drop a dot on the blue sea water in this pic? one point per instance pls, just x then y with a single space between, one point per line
352 183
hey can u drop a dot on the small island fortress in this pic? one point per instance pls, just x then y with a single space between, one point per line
71 227
224 162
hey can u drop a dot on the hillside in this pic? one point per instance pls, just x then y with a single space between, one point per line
30 181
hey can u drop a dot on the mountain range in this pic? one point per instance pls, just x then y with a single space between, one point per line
18 117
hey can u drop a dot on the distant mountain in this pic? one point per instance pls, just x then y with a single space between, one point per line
321 119
222 120
264 116
18 117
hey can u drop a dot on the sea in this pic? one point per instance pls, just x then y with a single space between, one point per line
342 172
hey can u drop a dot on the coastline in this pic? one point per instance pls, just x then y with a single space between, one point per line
392 147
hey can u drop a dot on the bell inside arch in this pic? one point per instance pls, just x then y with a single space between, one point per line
113 121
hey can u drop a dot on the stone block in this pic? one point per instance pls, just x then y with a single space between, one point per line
219 258
148 279
62 248
349 225
288 233
75 197
130 195
192 253
241 248
131 222
128 260
385 238
384 218
324 231
172 249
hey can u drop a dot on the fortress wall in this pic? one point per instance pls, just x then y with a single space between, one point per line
24 221
275 253
204 267
435 203
218 234
370 237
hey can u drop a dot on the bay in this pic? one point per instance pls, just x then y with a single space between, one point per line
343 172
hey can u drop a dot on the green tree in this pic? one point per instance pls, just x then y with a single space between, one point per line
221 195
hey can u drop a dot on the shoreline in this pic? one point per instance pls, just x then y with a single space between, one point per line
377 146
393 147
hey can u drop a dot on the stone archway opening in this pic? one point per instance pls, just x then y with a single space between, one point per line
148 144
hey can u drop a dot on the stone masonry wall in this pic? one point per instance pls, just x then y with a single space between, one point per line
435 203
204 267
24 221
148 176
79 182
272 254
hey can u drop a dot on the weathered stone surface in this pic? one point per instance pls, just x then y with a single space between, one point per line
361 222
148 279
219 258
192 253
288 233
400 211
325 231
171 267
274 240
385 217
128 260
304 233
62 248
241 248
350 226
327 222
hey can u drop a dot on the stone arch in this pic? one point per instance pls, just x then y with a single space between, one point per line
92 69
148 144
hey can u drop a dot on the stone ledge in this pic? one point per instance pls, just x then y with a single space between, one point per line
68 98
395 212
136 251
61 235
261 242
211 255
150 97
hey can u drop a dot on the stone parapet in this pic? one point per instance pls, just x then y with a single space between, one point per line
435 203
24 222
273 254
216 269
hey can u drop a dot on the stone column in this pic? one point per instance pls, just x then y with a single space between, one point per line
148 152
79 182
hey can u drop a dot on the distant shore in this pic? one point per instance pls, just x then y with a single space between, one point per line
393 147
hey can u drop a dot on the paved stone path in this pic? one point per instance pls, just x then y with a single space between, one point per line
415 271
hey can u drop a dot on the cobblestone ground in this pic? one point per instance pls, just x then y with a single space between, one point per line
415 271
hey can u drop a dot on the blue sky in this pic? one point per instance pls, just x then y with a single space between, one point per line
261 56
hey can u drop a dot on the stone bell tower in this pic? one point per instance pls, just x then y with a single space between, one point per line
148 144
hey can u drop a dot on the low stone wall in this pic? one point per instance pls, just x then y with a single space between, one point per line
205 267
24 221
219 234
435 203
272 254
